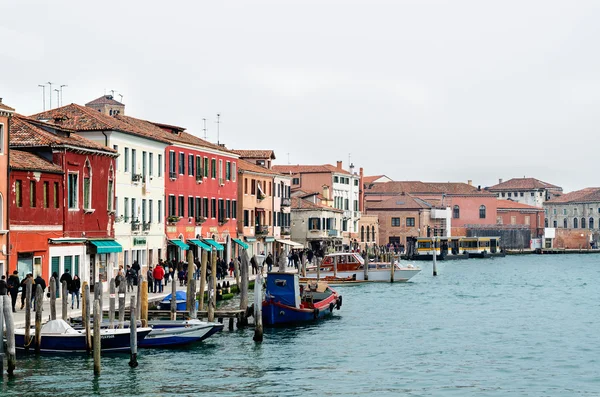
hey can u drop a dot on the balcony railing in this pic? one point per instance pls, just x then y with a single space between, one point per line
285 231
136 178
146 226
286 202
347 214
173 219
261 230
332 233
135 226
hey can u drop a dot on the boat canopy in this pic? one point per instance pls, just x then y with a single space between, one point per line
58 327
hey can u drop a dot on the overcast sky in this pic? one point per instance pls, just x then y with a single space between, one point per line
416 90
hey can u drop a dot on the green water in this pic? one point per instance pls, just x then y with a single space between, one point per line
514 326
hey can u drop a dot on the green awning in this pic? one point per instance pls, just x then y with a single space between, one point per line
106 246
269 239
240 243
216 245
180 244
199 243
250 239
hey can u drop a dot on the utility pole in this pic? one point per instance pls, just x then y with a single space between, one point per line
43 95
50 95
204 120
218 122
61 96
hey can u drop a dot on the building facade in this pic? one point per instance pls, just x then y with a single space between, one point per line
316 226
528 191
6 113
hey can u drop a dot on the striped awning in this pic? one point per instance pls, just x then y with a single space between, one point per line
240 243
200 244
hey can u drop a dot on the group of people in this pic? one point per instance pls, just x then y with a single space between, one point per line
13 285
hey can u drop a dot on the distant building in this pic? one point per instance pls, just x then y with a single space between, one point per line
514 214
5 117
528 191
316 226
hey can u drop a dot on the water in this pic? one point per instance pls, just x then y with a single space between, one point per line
511 326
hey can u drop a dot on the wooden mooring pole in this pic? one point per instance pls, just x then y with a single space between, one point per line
133 334
28 287
144 303
9 324
97 338
203 267
138 303
392 268
212 289
39 296
366 265
52 298
86 311
2 334
122 294
111 304
173 299
191 290
258 326
243 319
65 300
434 259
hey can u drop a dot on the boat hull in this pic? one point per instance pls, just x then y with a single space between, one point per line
383 275
274 313
177 334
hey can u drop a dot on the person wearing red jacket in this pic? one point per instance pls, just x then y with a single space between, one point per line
158 274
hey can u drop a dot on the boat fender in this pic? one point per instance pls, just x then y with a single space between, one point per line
331 306
316 313
339 302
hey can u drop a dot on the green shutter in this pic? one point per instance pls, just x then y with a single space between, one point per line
68 260
76 265
55 265
86 193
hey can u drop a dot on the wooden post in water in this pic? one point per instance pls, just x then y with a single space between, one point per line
366 264
83 302
258 326
191 291
28 287
236 271
392 268
39 296
122 295
65 300
203 267
52 298
133 335
304 261
144 304
319 263
231 323
173 300
243 320
2 334
212 289
87 309
335 263
111 304
96 343
100 288
434 259
282 259
9 324
138 303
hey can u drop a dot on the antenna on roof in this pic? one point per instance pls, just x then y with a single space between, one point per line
43 95
121 97
204 129
112 93
288 158
50 95
61 96
218 122
57 96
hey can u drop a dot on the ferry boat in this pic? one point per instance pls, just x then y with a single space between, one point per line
287 301
445 248
481 247
351 265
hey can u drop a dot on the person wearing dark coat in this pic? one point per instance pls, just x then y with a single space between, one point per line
74 290
3 286
24 288
309 256
136 268
13 288
254 266
269 262
130 275
66 277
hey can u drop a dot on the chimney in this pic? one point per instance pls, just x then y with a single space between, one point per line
339 165
499 180
361 172
326 191
0 100
470 182
479 187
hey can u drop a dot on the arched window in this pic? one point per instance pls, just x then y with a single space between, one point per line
456 212
87 185
482 212
546 222
373 232
565 225
591 223
362 233
368 239
575 226
583 223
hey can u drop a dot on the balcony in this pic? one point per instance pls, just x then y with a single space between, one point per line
286 202
347 214
172 175
136 178
173 219
332 233
261 230
200 220
285 231
356 214
146 226
135 226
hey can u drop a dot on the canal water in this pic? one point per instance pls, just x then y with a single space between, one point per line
514 326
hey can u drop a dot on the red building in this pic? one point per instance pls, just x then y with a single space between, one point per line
521 215
59 214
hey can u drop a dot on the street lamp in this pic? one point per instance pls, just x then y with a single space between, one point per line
43 95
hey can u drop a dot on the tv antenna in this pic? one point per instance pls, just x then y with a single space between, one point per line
61 96
204 129
50 94
121 95
218 123
43 95
288 154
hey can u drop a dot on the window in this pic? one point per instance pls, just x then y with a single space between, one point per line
554 211
150 164
245 185
72 190
346 204
220 171
32 198
143 210
314 223
181 163
513 220
199 168
509 194
356 182
234 209
228 171
591 223
181 205
190 206
172 165
253 187
126 206
355 205
372 233
171 210
362 233
527 219
295 181
221 214
395 222
575 223
213 208
521 194
126 159
246 224
213 168
133 162
205 207
228 209
150 211
111 192
45 194
1 138
191 167
555 223
233 172
583 223
410 221
55 194
206 169
87 185
564 211
574 211
456 212
482 212
160 166
336 179
565 224
503 194
144 164
133 210
160 209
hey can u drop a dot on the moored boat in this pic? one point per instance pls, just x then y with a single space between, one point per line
287 301
167 333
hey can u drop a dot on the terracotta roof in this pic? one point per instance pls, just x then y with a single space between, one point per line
523 184
371 179
256 154
405 201
21 160
81 118
25 132
250 167
587 195
4 107
418 187
104 100
299 203
509 204
308 169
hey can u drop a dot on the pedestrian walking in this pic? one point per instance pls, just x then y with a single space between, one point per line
269 262
150 279
129 276
3 286
74 290
158 274
231 267
13 288
254 266
65 277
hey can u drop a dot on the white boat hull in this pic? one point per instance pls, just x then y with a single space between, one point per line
378 275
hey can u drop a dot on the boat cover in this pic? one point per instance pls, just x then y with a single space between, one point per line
179 296
58 327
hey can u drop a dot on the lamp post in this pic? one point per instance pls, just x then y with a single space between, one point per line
43 95
50 96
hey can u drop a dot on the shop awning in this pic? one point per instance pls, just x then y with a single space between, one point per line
250 239
180 244
269 239
106 246
67 240
292 244
240 243
216 245
199 243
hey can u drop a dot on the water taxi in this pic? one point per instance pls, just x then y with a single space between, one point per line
481 247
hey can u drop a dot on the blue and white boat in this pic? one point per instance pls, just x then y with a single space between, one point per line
167 333
58 336
288 301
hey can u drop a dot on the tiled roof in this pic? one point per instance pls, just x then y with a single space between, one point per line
256 154
523 184
21 160
299 203
509 204
587 195
371 179
405 201
250 167
104 100
25 132
418 187
81 118
4 107
308 169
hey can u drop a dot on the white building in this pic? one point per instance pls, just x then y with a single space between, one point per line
316 226
528 191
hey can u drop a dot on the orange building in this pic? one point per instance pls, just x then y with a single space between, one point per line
5 116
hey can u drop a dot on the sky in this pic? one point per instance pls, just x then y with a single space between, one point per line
416 90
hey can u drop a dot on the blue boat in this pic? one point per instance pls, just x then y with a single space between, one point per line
175 333
180 298
287 301
58 336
